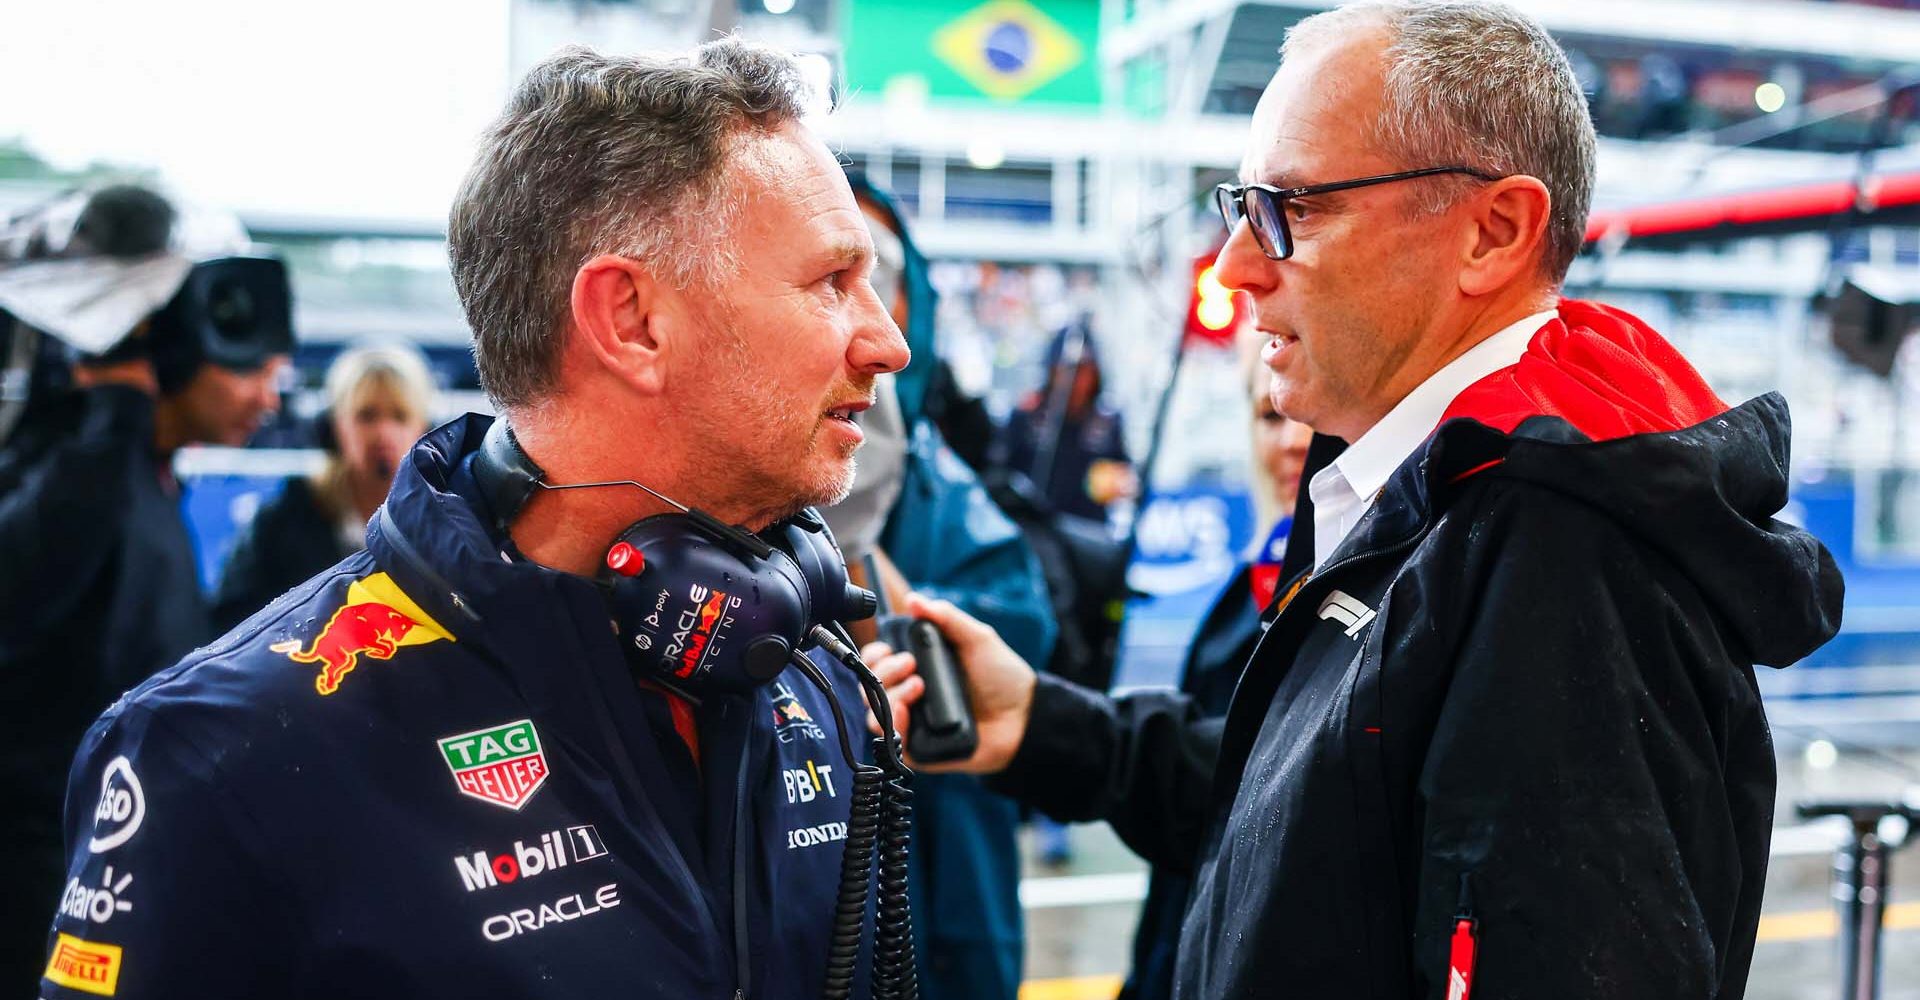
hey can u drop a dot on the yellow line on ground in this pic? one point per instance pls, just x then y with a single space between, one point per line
1807 925
1811 925
1804 925
1075 988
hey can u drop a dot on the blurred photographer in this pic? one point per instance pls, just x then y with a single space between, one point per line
120 349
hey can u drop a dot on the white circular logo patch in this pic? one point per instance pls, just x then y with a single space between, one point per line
122 806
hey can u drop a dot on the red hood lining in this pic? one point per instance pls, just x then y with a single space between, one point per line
1599 369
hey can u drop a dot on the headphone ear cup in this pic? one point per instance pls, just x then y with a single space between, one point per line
832 595
693 613
323 433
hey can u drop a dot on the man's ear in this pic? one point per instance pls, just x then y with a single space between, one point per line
1510 222
622 314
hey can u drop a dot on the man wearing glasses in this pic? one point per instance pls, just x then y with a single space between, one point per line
1503 739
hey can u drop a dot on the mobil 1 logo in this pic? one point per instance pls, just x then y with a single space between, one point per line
552 851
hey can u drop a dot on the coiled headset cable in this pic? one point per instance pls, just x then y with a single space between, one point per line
878 830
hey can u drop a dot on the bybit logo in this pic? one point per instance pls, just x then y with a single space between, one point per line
804 784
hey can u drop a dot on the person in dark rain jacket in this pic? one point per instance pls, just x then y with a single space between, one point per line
1228 631
99 580
941 531
433 770
1504 739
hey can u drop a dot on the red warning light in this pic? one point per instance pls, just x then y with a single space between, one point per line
1215 311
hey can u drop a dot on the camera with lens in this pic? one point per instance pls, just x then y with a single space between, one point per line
95 278
235 312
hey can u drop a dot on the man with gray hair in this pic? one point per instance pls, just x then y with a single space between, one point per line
1503 738
435 769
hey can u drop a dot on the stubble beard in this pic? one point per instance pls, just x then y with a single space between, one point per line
771 480
771 498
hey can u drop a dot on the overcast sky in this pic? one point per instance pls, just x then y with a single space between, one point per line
354 107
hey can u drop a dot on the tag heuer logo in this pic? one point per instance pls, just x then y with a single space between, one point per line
503 765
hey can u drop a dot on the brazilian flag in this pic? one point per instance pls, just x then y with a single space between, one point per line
1007 48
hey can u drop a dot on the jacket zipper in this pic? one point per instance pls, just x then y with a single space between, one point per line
629 778
1283 605
741 942
1464 947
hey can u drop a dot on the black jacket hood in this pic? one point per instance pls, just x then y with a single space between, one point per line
1636 434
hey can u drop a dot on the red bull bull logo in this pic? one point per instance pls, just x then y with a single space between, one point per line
703 633
791 720
376 621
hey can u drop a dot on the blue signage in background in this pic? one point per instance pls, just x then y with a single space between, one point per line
1188 544
217 508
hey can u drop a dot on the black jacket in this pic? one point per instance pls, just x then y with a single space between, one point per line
292 538
98 583
1226 638
98 589
1517 702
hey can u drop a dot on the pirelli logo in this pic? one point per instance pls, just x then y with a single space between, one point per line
86 966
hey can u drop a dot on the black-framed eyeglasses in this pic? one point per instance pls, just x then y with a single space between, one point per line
1265 206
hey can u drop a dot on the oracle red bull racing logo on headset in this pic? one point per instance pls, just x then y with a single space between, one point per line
700 628
376 620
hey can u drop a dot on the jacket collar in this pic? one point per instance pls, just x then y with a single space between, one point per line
432 537
1703 496
1370 461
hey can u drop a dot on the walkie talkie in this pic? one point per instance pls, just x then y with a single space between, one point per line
942 720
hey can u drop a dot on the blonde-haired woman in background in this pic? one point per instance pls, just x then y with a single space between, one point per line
378 401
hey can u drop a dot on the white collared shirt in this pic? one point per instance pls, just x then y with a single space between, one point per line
1344 490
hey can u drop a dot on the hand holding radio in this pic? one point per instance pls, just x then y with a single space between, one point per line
940 726
999 686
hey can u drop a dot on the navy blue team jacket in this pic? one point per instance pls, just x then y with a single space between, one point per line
428 772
